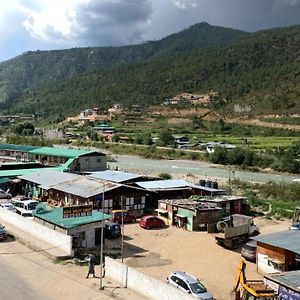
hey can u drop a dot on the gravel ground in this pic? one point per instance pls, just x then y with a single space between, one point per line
160 252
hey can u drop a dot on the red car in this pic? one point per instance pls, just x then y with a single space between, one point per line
127 217
149 222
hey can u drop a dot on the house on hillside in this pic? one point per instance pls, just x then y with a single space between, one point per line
278 252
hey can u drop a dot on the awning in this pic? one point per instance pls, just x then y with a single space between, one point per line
181 216
161 210
5 180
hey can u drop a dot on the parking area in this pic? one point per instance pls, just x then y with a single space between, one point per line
159 252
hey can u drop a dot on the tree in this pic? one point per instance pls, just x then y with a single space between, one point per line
24 129
166 138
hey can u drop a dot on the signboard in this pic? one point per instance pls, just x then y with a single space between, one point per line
287 294
77 211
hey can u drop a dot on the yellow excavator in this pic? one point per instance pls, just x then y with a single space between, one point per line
250 289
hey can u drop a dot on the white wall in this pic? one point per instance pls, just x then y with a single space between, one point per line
263 265
52 237
141 283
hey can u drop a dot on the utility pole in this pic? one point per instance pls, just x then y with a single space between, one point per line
102 240
122 219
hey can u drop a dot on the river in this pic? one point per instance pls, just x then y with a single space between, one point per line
197 169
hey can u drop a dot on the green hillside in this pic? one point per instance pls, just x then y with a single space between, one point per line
260 70
40 68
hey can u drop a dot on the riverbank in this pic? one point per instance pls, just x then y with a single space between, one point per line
194 170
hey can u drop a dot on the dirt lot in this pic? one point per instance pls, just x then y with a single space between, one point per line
159 252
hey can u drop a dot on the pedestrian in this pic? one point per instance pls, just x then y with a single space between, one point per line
91 266
103 269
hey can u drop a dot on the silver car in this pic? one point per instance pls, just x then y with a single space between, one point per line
189 284
4 195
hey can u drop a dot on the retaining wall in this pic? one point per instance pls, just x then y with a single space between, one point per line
142 283
52 237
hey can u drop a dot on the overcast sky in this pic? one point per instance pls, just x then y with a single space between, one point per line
58 24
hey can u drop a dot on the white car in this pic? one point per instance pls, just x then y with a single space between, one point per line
189 284
8 206
4 195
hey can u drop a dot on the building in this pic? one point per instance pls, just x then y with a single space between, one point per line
77 160
173 189
193 215
229 204
85 230
286 284
11 152
68 189
278 252
118 176
74 160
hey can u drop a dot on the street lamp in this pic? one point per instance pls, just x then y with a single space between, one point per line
102 240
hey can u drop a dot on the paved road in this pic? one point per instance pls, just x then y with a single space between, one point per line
29 275
12 285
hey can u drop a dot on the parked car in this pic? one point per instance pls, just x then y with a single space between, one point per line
112 230
3 233
8 206
27 214
249 251
295 226
4 195
149 222
117 216
189 284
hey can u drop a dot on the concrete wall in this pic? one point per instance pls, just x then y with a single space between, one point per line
57 239
141 283
93 163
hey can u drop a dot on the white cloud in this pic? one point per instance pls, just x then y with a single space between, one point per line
75 21
184 4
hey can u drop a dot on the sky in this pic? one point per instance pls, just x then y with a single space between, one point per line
30 25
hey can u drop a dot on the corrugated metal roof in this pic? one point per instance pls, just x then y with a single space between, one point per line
85 187
289 240
13 147
62 152
164 184
55 216
290 279
19 172
115 176
47 178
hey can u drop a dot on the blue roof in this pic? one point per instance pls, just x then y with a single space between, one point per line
114 176
289 240
164 184
47 178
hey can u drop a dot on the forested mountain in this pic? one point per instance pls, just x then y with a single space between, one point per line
40 68
261 70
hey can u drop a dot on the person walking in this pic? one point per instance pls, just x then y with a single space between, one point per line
91 266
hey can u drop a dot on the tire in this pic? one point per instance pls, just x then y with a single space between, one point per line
147 227
221 226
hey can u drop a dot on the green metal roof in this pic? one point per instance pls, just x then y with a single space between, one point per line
62 152
5 180
19 172
55 216
23 148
